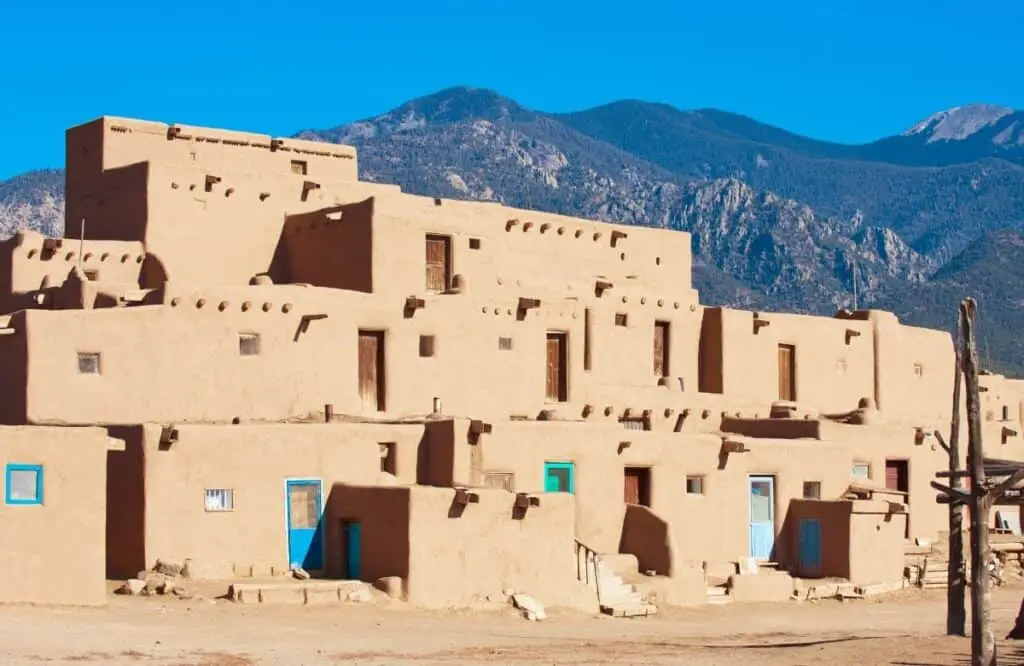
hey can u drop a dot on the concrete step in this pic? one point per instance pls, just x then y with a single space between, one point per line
718 595
630 610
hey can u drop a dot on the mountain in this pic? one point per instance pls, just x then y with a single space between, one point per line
991 270
779 221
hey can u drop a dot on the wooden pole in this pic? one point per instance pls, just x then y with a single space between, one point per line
956 603
983 642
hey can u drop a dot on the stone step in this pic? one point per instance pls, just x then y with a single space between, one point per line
300 592
630 610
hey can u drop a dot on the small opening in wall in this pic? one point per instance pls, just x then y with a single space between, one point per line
918 370
88 363
92 275
220 499
500 480
812 489
300 167
248 344
1006 412
504 344
695 485
474 243
426 346
621 319
388 462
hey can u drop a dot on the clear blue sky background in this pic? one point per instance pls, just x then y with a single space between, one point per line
845 70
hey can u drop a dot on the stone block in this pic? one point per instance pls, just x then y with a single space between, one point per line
762 586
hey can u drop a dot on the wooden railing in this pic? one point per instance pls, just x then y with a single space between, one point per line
587 560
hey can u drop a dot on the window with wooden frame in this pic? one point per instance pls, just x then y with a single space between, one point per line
503 480
695 485
300 167
812 489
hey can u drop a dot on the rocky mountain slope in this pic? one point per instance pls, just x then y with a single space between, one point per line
778 220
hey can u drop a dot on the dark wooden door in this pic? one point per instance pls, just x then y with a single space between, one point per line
557 386
438 263
371 369
787 372
897 478
661 349
636 486
631 489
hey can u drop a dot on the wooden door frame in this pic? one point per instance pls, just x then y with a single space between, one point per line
793 393
448 255
304 480
643 476
380 361
563 363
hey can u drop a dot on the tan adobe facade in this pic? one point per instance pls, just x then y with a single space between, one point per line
288 366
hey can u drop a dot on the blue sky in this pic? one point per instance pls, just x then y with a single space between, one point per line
847 71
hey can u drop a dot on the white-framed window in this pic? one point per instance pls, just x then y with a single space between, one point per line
220 499
695 485
861 470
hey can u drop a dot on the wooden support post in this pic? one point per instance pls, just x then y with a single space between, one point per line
956 602
983 643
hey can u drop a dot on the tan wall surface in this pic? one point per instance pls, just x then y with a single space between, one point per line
876 544
254 461
834 517
54 552
484 550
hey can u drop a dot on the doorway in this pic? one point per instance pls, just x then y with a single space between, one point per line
897 477
303 508
439 262
557 386
810 547
371 370
787 373
352 547
761 495
637 486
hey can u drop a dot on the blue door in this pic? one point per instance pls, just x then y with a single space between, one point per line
559 477
353 534
810 546
305 540
762 516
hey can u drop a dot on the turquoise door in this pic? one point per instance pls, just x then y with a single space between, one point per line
353 532
305 540
810 546
762 516
559 477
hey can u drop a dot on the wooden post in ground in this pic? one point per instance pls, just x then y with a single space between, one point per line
956 602
983 643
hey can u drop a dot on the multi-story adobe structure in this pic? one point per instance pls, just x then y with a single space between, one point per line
242 355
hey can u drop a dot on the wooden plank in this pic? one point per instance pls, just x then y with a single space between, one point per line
631 487
438 251
557 384
661 344
787 372
371 375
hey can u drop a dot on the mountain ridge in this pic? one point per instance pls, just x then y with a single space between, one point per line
778 221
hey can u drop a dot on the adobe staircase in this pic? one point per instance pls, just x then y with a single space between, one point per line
614 596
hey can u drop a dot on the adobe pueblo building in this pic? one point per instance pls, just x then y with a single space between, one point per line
243 356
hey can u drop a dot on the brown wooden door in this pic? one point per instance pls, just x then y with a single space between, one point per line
661 348
438 263
371 369
556 371
787 372
896 475
631 489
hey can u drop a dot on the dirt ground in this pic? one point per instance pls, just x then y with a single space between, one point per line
906 630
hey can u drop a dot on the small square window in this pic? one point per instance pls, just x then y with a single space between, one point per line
300 167
220 499
812 489
426 346
474 243
24 484
861 471
249 344
88 363
620 319
501 480
505 344
695 485
388 462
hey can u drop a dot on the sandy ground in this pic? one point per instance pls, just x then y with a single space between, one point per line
906 630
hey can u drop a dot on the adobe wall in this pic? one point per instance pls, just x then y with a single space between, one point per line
835 544
254 461
834 358
876 543
54 552
458 556
522 448
383 514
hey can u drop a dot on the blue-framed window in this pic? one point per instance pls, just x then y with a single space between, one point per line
23 484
